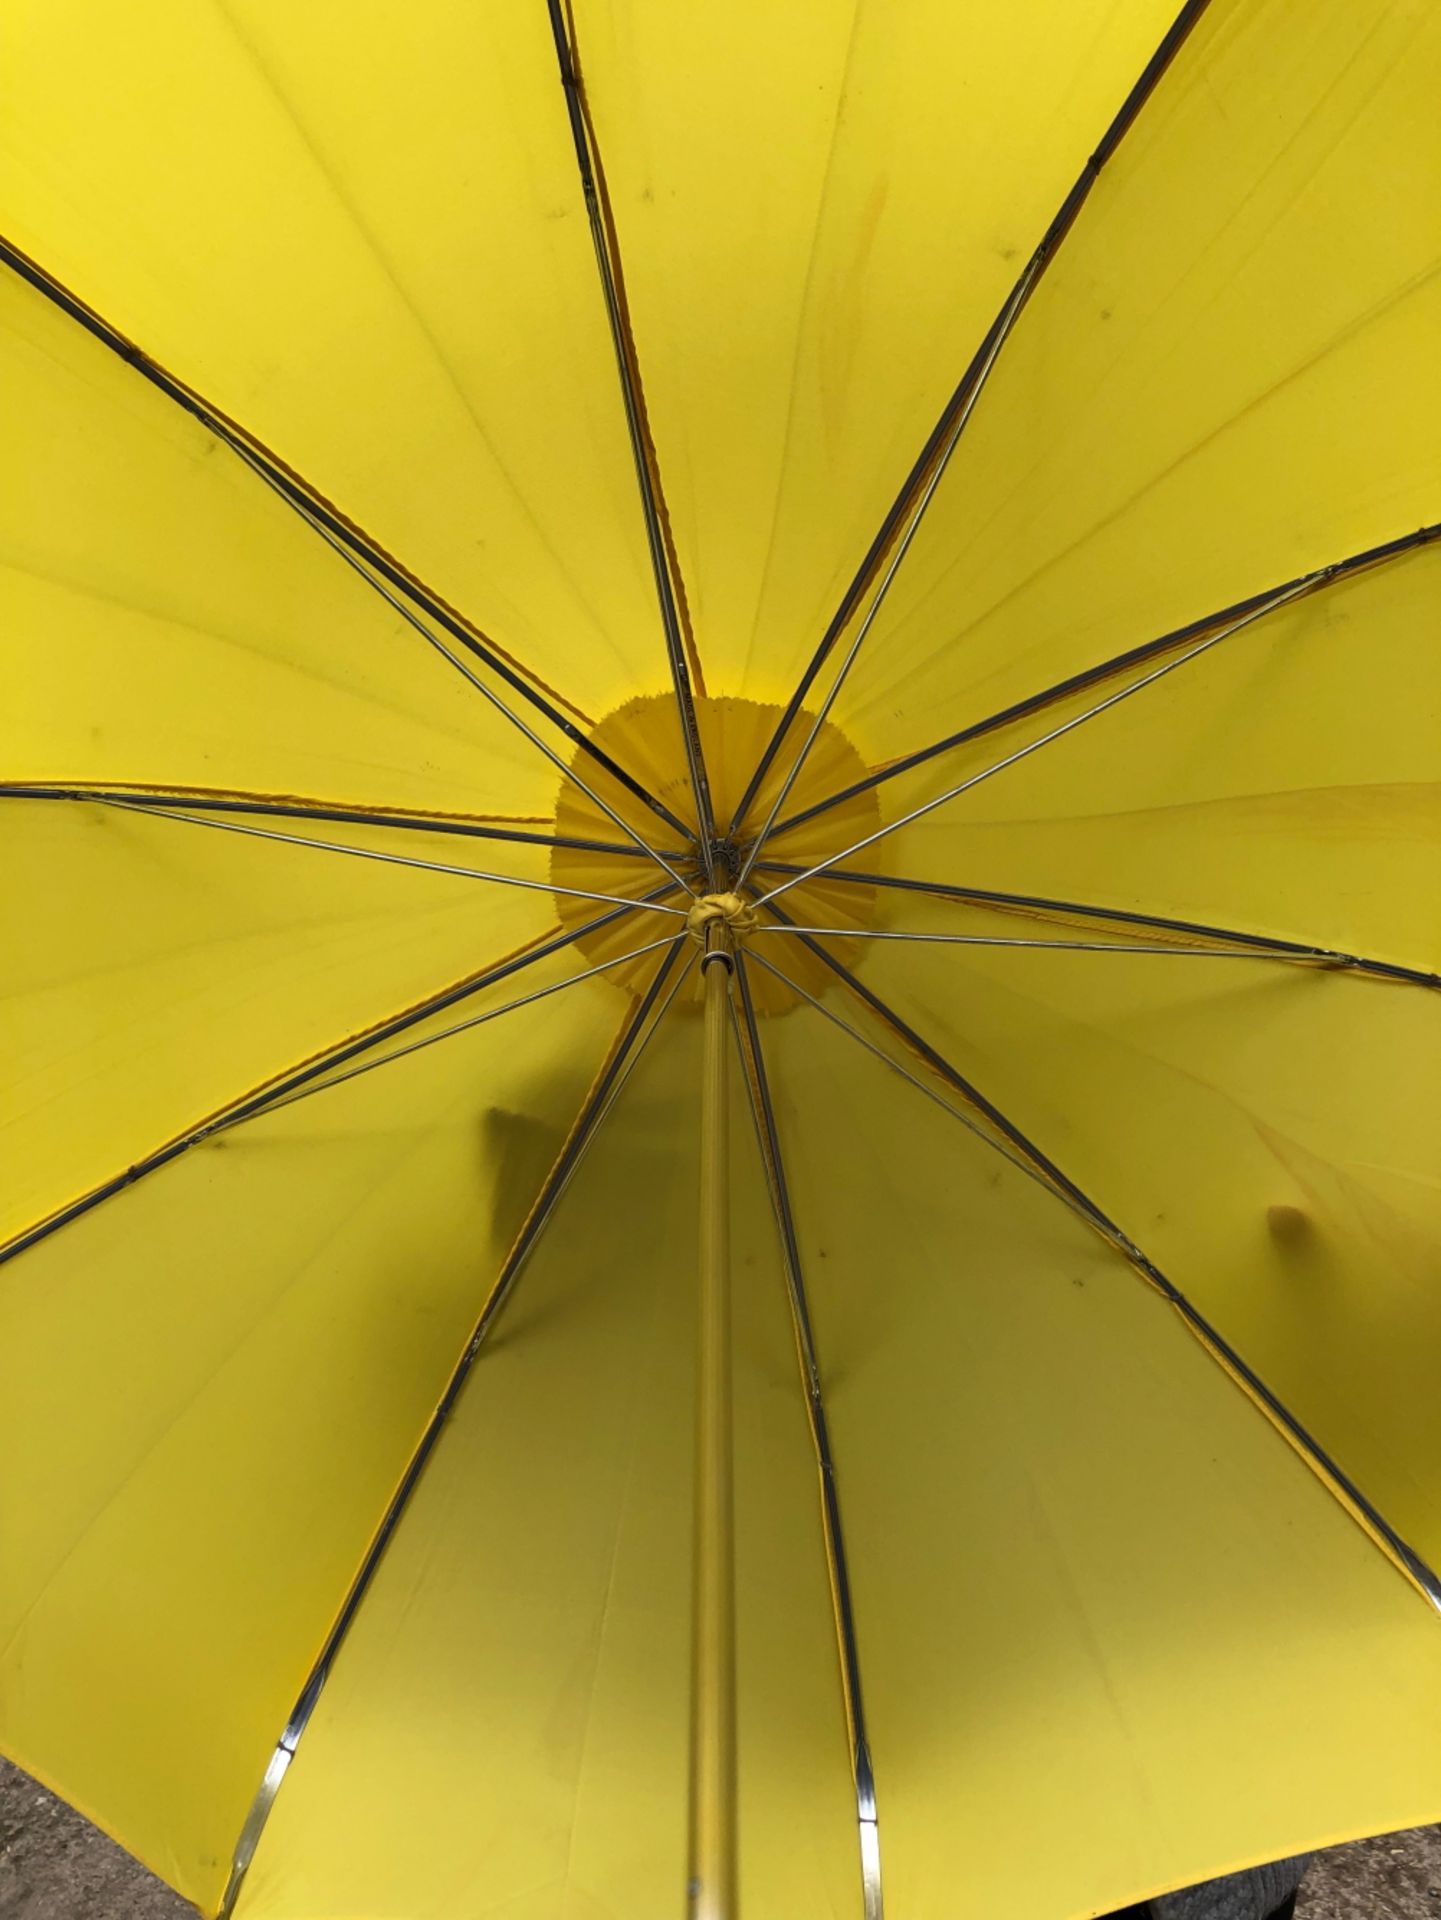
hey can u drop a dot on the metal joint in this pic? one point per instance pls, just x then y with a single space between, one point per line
718 947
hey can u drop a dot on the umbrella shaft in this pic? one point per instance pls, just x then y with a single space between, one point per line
711 1893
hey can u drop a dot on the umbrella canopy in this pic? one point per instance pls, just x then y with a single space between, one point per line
936 503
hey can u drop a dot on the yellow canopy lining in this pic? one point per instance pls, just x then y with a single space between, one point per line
1207 749
423 611
431 283
333 1295
215 641
1215 388
1209 392
1021 1433
476 346
875 204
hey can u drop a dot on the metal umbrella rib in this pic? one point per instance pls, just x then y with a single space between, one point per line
462 1026
1108 669
392 859
619 1064
748 1046
951 1075
1056 733
487 693
903 547
963 397
341 533
288 807
664 564
1316 955
932 1093
1047 905
1322 1462
346 1050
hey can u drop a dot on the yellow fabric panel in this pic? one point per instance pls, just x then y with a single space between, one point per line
1268 1134
209 1387
165 618
513 1697
363 237
1096 1593
1047 1487
1217 385
156 971
816 237
1286 782
1193 1097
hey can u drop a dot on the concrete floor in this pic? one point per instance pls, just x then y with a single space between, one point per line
55 1866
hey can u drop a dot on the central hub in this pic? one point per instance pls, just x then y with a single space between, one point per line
729 910
644 737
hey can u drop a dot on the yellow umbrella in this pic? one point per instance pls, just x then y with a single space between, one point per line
908 530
